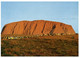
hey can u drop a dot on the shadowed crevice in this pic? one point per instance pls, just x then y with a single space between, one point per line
14 28
30 27
51 32
34 28
43 27
25 26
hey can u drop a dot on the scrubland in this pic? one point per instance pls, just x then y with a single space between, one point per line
58 45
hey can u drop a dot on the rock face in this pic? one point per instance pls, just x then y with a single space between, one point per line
37 27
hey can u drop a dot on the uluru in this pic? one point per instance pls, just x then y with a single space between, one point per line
37 27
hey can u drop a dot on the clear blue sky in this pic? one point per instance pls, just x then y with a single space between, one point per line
66 12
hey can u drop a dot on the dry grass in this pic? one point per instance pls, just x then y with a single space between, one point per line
41 46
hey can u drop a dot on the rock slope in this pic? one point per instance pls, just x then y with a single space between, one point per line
37 27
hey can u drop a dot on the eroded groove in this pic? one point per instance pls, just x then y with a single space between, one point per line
51 32
34 28
43 27
30 27
14 28
25 26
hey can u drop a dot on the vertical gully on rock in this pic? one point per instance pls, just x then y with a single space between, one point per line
43 27
14 28
51 32
34 28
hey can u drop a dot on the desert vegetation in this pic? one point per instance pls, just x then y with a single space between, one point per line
62 45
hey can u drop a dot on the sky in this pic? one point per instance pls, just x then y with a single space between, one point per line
65 12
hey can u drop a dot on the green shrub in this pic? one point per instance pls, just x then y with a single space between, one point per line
72 37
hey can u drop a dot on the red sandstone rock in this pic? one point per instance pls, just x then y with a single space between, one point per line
37 27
